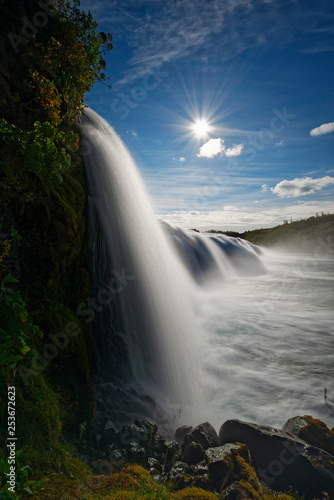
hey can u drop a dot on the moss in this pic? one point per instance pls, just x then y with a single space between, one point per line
192 493
317 434
133 482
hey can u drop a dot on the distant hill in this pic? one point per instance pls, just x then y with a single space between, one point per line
313 235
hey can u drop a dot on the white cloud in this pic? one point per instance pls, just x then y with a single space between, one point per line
215 147
245 217
264 188
235 151
280 143
211 148
182 158
301 186
326 128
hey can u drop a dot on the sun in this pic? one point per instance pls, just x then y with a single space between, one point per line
201 127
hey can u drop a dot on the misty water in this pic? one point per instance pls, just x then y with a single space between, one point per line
268 341
214 328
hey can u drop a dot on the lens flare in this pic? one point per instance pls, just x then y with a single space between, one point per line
201 127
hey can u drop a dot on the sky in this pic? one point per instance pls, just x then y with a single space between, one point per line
227 106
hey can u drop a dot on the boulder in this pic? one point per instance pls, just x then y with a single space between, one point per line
197 441
192 452
229 463
281 460
313 431
181 433
205 435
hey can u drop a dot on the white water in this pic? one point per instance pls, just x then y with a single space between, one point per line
213 330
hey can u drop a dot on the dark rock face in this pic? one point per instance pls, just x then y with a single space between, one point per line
141 433
282 460
197 441
313 431
192 453
181 433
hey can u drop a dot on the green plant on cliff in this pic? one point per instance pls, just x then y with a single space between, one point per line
44 76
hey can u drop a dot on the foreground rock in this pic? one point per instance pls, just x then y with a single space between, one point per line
230 463
311 430
245 461
281 460
197 441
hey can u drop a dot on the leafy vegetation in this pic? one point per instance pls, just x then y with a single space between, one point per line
50 56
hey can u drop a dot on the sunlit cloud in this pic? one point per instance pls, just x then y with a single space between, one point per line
216 147
211 148
301 186
182 159
264 188
326 128
236 150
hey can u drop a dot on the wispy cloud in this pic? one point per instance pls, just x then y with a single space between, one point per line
326 128
182 159
301 186
159 32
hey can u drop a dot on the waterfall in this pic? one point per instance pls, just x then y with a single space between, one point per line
159 270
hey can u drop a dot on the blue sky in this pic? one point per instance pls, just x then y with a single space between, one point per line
258 73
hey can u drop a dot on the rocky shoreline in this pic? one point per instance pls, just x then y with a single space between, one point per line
244 460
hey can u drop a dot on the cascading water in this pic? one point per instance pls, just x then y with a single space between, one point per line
159 324
207 331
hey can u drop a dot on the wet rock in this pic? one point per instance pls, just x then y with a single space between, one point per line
192 453
201 476
197 441
118 456
201 469
281 460
137 454
313 431
180 476
154 465
140 432
205 435
229 463
166 451
181 433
